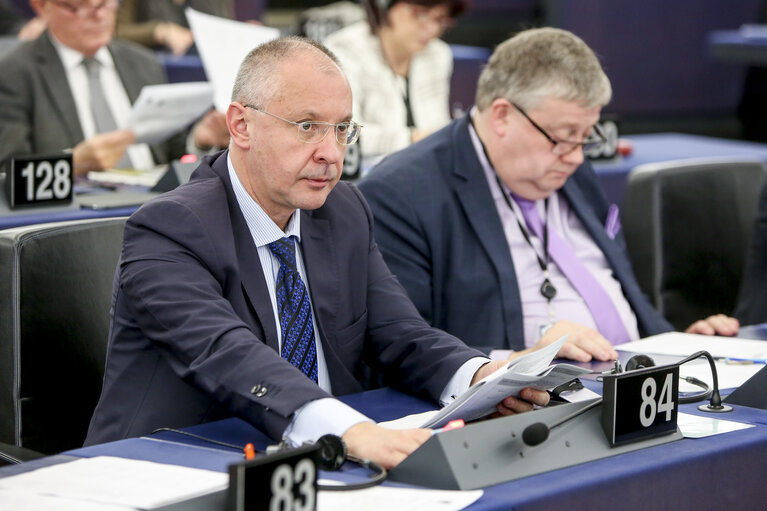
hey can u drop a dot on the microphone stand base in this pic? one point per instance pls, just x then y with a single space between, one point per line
718 409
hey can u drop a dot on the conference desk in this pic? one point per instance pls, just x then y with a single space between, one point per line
725 471
613 173
738 47
660 147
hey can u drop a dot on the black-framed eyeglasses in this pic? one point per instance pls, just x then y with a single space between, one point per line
84 10
562 147
314 132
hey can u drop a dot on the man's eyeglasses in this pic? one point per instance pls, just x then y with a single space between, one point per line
84 10
312 132
562 147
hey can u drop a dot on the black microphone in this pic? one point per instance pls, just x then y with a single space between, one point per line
537 432
715 404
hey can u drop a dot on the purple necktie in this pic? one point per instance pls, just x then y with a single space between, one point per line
603 310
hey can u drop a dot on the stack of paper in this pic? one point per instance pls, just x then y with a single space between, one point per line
108 483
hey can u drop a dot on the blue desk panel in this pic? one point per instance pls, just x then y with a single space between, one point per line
6 222
732 46
654 148
721 472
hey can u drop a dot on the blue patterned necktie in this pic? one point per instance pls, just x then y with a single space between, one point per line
294 310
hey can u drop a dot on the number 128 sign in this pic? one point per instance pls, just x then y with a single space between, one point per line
40 180
640 404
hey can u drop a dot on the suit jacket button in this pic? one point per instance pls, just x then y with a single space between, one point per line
261 392
256 388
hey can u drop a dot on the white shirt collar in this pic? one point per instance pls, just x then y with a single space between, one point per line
71 58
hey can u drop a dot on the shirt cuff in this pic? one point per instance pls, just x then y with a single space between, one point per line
326 416
461 380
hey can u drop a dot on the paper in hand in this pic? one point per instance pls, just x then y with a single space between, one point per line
531 370
163 110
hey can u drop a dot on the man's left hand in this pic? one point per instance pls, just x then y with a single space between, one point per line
526 400
718 324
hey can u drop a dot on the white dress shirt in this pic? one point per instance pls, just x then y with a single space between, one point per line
114 91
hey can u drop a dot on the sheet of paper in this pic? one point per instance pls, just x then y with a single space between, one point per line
531 370
695 426
147 178
162 110
681 344
223 45
729 375
386 498
117 481
24 501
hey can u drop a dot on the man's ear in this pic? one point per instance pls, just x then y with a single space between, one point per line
500 113
237 124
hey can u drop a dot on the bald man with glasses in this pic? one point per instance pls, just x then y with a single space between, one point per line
497 226
256 289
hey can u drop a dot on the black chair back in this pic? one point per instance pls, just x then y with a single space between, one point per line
55 295
687 226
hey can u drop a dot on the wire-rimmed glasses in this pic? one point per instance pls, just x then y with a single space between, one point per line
314 132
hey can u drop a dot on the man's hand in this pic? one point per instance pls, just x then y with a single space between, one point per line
387 447
211 131
176 38
583 343
718 324
101 151
527 399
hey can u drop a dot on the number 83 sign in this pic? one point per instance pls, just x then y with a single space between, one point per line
640 404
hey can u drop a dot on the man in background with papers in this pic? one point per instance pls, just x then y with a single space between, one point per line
72 88
496 225
257 290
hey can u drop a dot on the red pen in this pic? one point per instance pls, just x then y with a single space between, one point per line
454 424
250 451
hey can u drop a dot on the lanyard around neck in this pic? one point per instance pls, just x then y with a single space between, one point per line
547 289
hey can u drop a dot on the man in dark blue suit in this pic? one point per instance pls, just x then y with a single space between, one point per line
264 253
498 228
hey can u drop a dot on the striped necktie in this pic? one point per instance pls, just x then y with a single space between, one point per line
294 310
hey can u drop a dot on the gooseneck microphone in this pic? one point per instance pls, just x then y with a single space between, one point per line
715 403
538 432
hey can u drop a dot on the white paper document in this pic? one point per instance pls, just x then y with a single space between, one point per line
531 370
162 110
116 482
695 426
386 498
681 344
223 45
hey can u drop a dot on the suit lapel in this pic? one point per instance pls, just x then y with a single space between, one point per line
56 83
317 248
127 72
593 225
253 283
473 193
